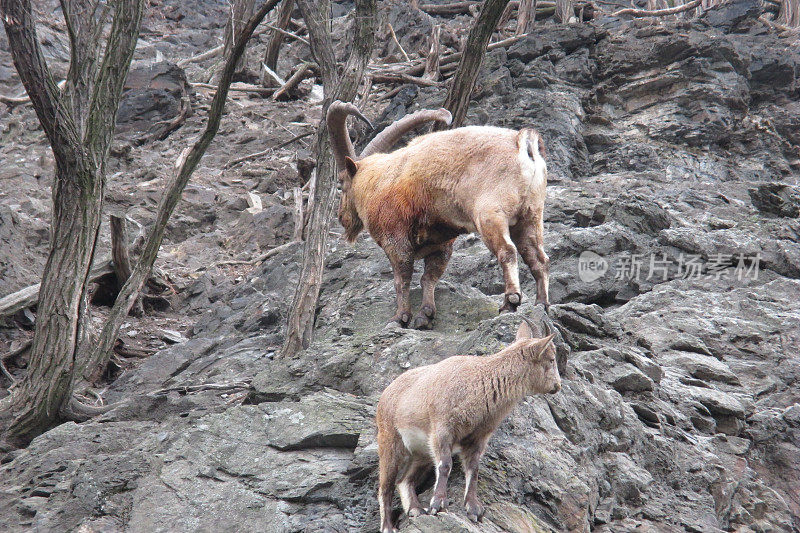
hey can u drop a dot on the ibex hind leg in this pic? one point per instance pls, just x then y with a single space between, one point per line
493 228
389 457
435 264
528 235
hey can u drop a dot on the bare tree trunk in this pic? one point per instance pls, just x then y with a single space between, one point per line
432 61
275 42
240 13
460 92
300 326
121 258
79 127
186 164
564 11
526 16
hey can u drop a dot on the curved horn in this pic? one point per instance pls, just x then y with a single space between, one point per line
393 132
547 329
533 327
341 145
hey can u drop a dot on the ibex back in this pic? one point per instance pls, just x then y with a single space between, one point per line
416 200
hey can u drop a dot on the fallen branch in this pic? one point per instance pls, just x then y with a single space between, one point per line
397 42
298 214
173 123
456 8
272 74
268 150
306 70
402 77
24 347
263 257
214 52
237 88
30 295
14 100
186 389
658 12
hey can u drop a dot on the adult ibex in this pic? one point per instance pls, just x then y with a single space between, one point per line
454 406
416 200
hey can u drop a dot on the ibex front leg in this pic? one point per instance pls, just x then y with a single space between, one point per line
435 263
402 259
493 227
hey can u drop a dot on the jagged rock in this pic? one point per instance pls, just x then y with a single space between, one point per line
777 199
152 93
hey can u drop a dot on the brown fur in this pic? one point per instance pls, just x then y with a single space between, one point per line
454 406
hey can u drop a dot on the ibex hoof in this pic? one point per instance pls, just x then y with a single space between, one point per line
437 505
510 302
475 511
423 322
544 303
400 319
416 511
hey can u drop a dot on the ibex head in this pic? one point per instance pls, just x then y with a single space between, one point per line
348 164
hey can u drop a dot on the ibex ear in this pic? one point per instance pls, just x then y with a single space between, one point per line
351 166
524 331
541 344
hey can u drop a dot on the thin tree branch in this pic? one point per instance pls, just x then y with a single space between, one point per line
186 164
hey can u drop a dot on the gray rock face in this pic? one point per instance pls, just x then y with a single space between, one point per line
679 409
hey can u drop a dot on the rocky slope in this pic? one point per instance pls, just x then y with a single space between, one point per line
680 408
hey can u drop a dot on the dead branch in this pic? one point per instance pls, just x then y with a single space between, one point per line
14 100
77 411
397 42
7 374
268 73
120 258
288 33
268 150
657 13
456 8
242 88
402 77
24 347
261 258
186 389
208 54
297 235
432 61
174 123
29 295
306 70
279 32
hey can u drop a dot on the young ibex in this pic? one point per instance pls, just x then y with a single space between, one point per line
416 200
454 406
